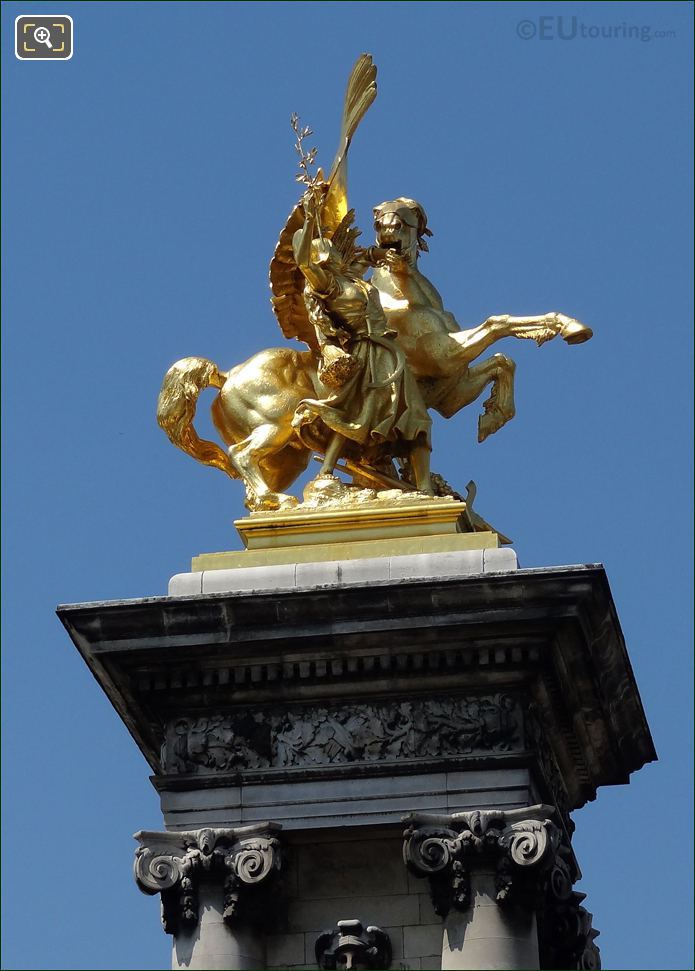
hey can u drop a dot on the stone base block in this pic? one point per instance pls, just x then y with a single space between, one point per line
215 577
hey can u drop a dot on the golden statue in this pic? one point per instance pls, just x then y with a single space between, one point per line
381 352
373 408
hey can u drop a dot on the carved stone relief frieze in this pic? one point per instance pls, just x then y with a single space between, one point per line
304 736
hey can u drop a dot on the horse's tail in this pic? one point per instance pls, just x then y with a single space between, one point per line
176 406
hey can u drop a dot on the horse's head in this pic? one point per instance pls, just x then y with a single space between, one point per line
401 225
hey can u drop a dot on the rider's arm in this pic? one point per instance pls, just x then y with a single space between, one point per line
319 279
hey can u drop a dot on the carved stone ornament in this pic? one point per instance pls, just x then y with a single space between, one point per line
537 737
565 934
305 736
523 843
171 864
350 946
533 868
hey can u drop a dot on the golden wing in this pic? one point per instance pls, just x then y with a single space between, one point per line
359 95
287 285
286 280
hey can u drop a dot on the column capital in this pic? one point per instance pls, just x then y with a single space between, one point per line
522 843
172 864
533 867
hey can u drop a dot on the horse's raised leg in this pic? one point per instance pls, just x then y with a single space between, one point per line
540 329
246 457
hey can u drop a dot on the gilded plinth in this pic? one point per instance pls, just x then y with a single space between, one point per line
371 529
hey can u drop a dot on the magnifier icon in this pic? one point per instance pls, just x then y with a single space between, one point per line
42 35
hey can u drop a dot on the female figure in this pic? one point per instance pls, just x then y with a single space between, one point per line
373 407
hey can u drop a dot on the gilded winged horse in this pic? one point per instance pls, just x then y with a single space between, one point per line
257 400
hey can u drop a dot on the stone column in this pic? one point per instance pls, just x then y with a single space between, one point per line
495 877
212 884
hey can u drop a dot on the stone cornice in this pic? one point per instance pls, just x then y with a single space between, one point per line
552 633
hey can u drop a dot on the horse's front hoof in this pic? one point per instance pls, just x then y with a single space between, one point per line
271 502
574 331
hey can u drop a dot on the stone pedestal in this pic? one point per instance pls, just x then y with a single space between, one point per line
479 702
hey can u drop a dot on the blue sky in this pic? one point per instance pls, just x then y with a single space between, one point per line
145 182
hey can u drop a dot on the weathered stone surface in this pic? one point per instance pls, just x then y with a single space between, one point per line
421 941
348 800
549 637
345 707
502 881
340 867
284 949
341 873
387 909
175 864
212 944
523 844
396 937
309 736
499 560
343 572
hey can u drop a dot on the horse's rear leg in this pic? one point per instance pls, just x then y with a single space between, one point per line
246 456
498 408
449 397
